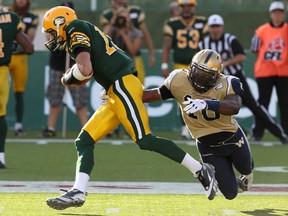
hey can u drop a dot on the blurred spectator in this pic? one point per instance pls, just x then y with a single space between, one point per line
126 36
270 44
56 90
11 31
182 34
233 55
108 19
19 62
174 9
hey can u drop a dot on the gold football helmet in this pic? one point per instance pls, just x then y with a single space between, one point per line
205 69
187 8
54 22
185 2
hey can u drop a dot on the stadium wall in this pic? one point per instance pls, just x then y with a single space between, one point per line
163 116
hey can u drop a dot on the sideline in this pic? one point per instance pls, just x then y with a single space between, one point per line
42 141
131 187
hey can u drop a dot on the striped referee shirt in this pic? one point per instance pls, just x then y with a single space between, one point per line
227 46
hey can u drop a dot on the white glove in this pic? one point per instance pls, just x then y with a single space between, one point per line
194 105
104 97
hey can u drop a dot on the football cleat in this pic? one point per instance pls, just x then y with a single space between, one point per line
48 133
19 132
206 176
71 198
284 140
244 182
2 165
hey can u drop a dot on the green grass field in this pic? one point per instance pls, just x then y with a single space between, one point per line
20 204
28 161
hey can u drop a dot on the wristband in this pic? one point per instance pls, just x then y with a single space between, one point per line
77 73
213 105
164 66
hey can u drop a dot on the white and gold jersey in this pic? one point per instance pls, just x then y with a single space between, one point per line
204 122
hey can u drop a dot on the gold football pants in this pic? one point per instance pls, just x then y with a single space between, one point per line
18 68
4 89
124 106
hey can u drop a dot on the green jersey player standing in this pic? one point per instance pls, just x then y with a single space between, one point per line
9 31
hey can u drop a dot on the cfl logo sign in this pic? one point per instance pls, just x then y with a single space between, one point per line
272 55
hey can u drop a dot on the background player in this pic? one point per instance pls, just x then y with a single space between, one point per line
19 63
9 30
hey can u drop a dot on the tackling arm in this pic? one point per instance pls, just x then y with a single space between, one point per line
230 105
151 95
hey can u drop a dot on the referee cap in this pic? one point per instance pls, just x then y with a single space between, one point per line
276 5
215 19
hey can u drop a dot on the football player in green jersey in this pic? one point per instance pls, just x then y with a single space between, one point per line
209 101
19 62
9 30
182 34
98 57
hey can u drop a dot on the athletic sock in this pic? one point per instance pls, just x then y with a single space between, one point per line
81 181
18 126
191 164
2 157
3 133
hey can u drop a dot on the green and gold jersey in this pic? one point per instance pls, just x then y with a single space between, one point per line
204 122
9 28
136 14
185 37
28 21
108 61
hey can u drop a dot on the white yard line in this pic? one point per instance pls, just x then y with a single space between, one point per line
131 187
43 141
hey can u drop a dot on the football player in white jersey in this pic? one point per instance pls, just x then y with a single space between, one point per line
209 101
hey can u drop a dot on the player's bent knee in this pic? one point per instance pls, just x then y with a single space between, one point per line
83 141
230 196
146 141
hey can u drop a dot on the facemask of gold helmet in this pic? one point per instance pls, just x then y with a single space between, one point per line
54 22
204 70
188 12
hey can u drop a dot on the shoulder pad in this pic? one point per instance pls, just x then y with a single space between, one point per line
171 76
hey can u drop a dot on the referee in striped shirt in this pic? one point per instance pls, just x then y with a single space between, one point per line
233 55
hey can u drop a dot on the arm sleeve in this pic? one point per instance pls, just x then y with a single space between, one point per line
237 86
165 93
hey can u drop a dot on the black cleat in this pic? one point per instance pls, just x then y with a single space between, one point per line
207 178
48 133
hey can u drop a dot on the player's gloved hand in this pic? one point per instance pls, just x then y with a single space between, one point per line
194 105
104 97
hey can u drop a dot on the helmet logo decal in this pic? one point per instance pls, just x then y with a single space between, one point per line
58 21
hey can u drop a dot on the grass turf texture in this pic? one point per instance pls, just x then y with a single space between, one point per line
145 205
56 162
